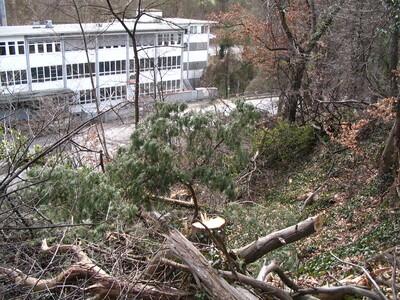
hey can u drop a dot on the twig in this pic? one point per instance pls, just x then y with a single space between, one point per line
50 226
378 290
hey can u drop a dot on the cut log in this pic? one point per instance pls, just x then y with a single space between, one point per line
264 245
207 226
205 275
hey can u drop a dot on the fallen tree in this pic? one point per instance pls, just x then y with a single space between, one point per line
179 270
98 282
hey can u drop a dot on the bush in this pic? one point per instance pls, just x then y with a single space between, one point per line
285 142
82 193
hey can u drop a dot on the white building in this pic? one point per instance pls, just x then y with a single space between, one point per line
50 61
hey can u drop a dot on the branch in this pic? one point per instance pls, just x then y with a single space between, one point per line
265 287
378 290
264 245
274 267
322 28
49 226
99 282
340 290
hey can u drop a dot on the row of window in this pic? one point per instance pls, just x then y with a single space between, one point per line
106 93
168 86
163 39
44 47
169 62
169 39
198 29
12 48
13 77
83 70
48 73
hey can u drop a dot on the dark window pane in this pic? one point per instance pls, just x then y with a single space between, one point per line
34 74
59 72
3 49
10 77
21 47
47 72
3 78
81 70
49 47
24 78
11 48
31 49
40 48
40 74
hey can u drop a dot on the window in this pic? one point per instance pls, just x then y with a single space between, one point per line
131 65
204 29
49 47
21 47
112 65
113 93
3 48
146 88
11 48
40 48
53 70
167 39
40 73
170 62
32 49
47 73
193 29
14 77
58 46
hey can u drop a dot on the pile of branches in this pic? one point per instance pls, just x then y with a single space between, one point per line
177 269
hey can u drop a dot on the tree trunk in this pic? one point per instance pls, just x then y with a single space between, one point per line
207 277
389 159
294 95
264 245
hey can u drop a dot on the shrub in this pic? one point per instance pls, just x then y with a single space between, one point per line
285 142
82 193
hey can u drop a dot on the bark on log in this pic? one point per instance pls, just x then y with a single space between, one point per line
206 276
264 245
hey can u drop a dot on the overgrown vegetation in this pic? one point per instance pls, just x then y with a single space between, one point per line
177 148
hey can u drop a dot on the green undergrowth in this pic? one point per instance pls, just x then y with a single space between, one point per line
361 218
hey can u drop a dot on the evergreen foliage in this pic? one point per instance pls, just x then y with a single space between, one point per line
179 146
82 193
285 142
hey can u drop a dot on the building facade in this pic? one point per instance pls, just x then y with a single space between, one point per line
91 64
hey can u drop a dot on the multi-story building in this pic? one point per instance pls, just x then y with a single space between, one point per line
94 63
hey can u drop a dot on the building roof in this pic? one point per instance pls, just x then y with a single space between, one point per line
98 28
